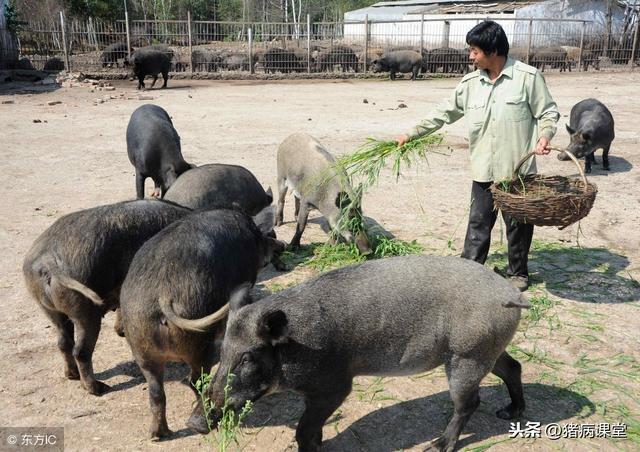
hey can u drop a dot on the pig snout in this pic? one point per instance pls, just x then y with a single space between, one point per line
362 242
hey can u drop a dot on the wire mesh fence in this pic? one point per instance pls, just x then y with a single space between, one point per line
320 47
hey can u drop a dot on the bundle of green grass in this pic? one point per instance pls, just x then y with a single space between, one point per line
364 167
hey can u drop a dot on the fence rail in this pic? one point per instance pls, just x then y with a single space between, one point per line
348 47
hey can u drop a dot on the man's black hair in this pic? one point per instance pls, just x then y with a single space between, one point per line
490 37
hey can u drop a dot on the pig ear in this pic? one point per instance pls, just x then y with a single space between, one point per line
269 194
240 296
570 130
273 327
266 219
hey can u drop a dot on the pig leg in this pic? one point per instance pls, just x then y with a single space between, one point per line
414 74
117 326
198 419
392 74
605 158
587 162
297 206
510 371
154 374
301 224
318 408
157 189
464 377
155 79
141 82
140 185
87 330
165 76
64 325
282 193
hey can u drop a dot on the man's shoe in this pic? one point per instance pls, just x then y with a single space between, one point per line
519 282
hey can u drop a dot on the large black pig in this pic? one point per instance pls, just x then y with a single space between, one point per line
219 186
153 146
396 316
75 269
188 271
151 60
591 128
399 61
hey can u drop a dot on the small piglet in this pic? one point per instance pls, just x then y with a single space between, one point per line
591 128
307 167
153 146
395 316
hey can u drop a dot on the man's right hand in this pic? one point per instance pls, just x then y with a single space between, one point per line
402 139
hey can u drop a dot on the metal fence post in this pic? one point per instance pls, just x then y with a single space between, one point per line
584 24
64 43
421 34
308 44
190 42
634 48
366 42
91 34
445 34
126 27
250 38
529 41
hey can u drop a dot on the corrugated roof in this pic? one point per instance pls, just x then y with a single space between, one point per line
397 10
474 8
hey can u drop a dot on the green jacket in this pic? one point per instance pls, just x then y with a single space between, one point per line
506 118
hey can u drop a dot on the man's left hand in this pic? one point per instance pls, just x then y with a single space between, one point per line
542 148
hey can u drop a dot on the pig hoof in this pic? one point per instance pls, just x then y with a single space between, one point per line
72 374
160 433
509 412
606 168
587 170
119 330
198 423
438 444
98 388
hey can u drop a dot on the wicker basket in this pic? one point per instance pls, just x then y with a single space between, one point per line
545 200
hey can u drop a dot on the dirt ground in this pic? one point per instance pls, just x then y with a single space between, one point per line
579 347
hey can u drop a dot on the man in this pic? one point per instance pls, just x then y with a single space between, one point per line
510 113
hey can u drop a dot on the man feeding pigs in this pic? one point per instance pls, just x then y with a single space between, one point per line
510 113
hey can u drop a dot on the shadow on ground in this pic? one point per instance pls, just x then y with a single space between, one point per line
173 372
595 275
407 424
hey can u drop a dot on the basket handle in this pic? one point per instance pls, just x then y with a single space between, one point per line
571 156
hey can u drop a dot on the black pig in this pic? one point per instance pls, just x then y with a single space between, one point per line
395 316
153 146
75 269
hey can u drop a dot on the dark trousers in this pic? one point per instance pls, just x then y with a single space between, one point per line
482 217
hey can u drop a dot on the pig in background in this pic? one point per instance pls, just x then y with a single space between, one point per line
153 147
74 271
187 272
403 61
307 167
391 317
591 127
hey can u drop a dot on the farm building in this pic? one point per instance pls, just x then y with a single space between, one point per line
444 23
